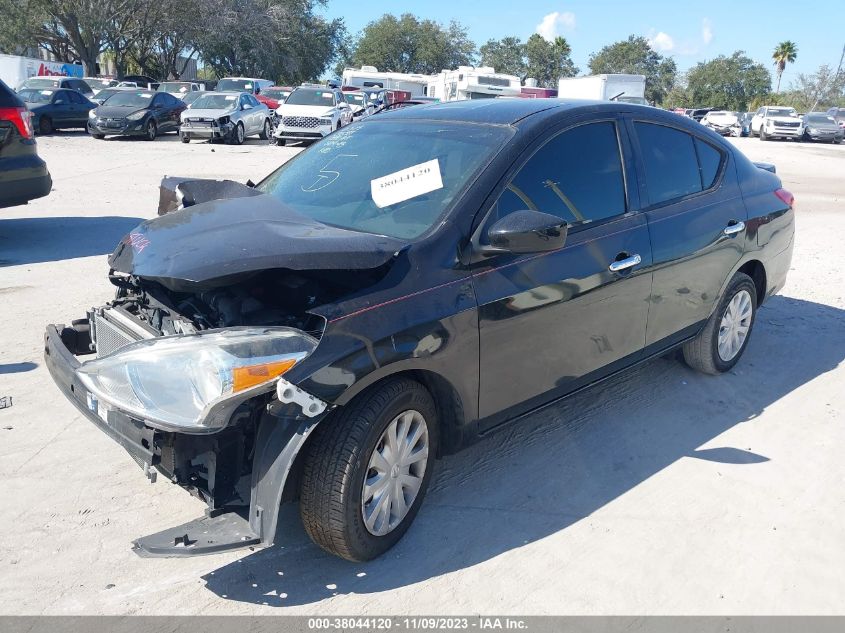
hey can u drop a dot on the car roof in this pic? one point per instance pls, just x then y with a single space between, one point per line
505 111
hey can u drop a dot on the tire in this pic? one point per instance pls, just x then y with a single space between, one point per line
238 134
763 136
184 138
279 141
99 137
265 132
703 352
338 462
45 125
150 131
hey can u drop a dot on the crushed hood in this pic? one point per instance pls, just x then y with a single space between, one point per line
224 238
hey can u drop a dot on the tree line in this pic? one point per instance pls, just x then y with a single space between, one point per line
290 42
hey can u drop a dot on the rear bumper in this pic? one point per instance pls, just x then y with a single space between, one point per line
23 178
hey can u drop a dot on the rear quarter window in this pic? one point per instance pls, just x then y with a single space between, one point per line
709 160
669 160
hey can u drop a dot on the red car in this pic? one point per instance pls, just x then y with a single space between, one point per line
273 96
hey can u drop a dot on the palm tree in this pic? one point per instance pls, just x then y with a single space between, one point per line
785 53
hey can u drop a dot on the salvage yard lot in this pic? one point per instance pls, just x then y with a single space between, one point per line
663 491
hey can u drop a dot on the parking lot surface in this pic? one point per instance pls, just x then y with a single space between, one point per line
660 492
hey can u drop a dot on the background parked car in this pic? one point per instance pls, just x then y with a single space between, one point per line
56 108
142 81
178 88
838 115
71 83
776 122
274 96
225 116
23 174
360 103
820 126
100 83
136 113
722 122
310 113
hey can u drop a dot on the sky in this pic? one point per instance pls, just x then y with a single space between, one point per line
688 31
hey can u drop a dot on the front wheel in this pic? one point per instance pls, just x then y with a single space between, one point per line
45 125
238 134
265 132
151 131
718 347
763 136
367 469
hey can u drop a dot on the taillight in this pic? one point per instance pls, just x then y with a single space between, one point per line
20 117
787 198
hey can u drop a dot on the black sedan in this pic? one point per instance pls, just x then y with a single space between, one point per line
56 109
819 126
327 333
23 174
141 113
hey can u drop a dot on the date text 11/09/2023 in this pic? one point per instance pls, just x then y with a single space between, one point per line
417 623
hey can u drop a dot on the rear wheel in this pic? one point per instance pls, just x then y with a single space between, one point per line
45 125
367 470
184 138
719 346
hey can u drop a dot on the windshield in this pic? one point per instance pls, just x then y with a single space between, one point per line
356 99
174 87
42 82
820 119
104 94
389 178
131 98
275 93
216 102
311 98
780 112
190 97
236 85
100 83
31 95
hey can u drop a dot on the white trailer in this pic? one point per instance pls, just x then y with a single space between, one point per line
624 88
370 77
469 82
14 69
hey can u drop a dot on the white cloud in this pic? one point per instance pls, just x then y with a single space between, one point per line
706 31
552 24
661 42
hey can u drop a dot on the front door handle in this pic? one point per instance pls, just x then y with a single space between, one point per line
733 229
624 264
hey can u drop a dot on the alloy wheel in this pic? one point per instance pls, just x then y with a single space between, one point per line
735 325
395 472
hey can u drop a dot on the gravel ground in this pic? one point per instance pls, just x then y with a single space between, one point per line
661 492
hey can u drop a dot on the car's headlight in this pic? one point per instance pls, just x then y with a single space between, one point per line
92 114
326 121
223 120
135 116
187 382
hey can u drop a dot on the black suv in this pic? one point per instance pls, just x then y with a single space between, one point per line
23 175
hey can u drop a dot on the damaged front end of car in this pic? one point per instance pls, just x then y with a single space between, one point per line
193 366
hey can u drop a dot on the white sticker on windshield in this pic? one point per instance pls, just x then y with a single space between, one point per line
46 92
146 96
231 97
406 184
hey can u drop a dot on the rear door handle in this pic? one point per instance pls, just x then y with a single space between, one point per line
624 264
733 229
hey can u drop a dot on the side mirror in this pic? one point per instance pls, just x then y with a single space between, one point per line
527 232
246 106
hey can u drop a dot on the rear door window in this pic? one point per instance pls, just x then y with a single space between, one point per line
670 162
709 160
576 176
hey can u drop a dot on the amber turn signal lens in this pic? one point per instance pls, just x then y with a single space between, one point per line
252 375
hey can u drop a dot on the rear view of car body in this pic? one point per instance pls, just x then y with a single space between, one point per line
23 174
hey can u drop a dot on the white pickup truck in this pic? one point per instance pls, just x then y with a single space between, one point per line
776 122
